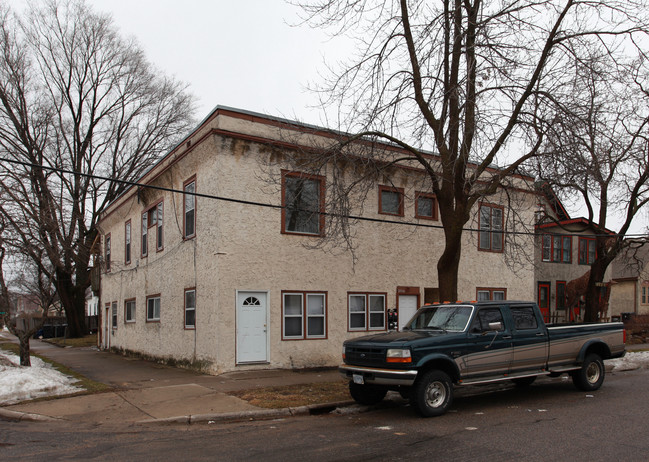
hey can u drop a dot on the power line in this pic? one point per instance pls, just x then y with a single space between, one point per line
275 206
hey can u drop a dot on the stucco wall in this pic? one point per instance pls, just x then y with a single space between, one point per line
240 247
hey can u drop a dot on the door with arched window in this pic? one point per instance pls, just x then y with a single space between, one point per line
252 327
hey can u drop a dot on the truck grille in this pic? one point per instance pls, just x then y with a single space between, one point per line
363 356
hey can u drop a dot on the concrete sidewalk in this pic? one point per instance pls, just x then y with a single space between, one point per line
147 392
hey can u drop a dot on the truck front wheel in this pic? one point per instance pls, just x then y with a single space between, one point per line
367 394
591 375
432 394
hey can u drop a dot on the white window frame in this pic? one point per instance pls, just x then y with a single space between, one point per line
367 312
304 315
129 314
189 308
153 317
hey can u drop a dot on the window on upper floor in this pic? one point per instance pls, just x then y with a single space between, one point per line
587 250
107 251
491 228
556 248
426 206
366 311
302 204
152 218
127 242
189 209
145 234
391 200
304 315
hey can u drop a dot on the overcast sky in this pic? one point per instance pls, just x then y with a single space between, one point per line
248 54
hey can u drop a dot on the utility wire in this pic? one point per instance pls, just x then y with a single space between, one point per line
274 206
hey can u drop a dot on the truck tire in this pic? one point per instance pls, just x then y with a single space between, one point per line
432 394
591 375
367 394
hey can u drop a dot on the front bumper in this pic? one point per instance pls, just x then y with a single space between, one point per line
375 375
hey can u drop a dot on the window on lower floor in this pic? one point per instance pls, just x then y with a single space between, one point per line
190 308
366 311
129 310
484 293
153 308
114 314
645 293
304 315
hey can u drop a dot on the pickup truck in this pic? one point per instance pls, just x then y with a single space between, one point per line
456 344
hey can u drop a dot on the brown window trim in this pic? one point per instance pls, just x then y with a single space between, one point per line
189 181
491 291
146 306
154 207
399 191
491 231
321 180
108 251
126 321
189 289
367 311
432 196
128 241
304 294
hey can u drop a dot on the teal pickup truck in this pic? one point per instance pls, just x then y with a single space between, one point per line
473 343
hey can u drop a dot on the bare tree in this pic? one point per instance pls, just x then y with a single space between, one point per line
598 149
76 99
470 80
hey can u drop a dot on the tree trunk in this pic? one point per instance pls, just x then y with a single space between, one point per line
25 359
593 304
448 264
72 298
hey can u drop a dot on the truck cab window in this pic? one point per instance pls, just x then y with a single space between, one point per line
486 316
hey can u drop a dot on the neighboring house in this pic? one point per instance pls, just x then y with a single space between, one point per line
630 284
565 249
27 304
221 281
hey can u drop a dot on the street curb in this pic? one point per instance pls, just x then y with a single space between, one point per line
257 414
17 416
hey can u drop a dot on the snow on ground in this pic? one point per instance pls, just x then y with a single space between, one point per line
632 360
22 383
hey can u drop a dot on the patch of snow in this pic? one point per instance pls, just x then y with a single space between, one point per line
632 360
22 383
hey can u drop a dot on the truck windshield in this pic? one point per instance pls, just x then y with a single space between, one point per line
446 318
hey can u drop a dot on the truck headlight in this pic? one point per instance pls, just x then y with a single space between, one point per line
398 355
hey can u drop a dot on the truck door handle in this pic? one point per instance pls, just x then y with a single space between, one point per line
540 334
507 337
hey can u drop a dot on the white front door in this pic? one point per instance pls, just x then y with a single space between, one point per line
252 327
407 308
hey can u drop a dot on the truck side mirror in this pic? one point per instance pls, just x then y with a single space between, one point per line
496 326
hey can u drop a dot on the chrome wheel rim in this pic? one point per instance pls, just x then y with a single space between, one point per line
593 372
435 394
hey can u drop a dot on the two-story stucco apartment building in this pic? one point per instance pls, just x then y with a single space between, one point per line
227 276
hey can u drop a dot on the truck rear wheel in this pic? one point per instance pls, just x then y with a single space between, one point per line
367 394
591 375
432 394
